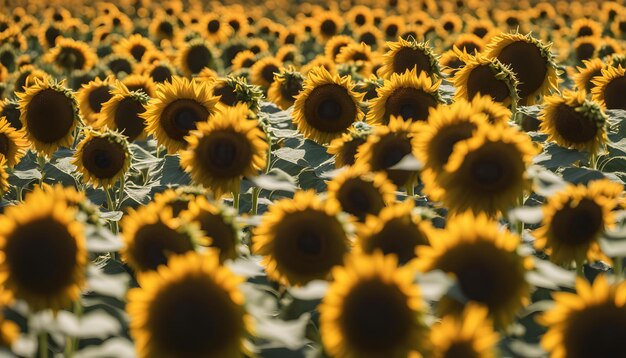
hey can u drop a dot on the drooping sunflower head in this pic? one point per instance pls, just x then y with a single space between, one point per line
409 54
573 220
486 76
408 95
487 173
327 106
387 146
286 87
217 223
436 139
345 147
589 323
123 112
470 335
225 149
373 309
70 55
190 308
301 239
234 90
49 114
609 88
102 157
572 121
196 55
151 235
177 109
92 96
530 61
484 259
13 145
36 235
263 71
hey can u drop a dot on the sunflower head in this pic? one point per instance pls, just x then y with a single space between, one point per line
13 144
496 112
119 64
49 114
263 71
329 24
286 87
136 45
233 90
190 308
585 48
486 76
373 309
214 29
92 96
327 106
345 148
70 55
102 157
609 88
333 46
123 112
408 54
225 149
301 239
38 234
143 83
159 71
196 55
10 110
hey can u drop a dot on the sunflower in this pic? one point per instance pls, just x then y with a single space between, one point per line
10 110
235 90
163 28
387 146
176 110
345 147
224 149
142 83
25 77
178 199
289 54
586 27
373 309
589 323
92 96
585 74
496 112
409 54
49 114
484 259
151 235
470 335
327 106
448 25
609 46
483 28
329 24
357 55
469 43
573 221
119 64
159 71
359 16
572 121
190 308
36 235
585 48
407 95
213 29
258 45
4 176
217 223
609 88
263 71
136 45
237 21
319 61
13 145
451 61
447 125
393 26
48 34
102 157
196 55
244 59
369 35
530 60
71 55
286 87
487 173
333 46
486 76
301 239
123 112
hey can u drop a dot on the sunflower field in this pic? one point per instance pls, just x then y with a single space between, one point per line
315 179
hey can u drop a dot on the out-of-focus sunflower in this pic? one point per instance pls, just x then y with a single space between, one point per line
319 61
237 21
573 220
214 29
470 335
361 193
142 83
258 45
483 28
49 114
484 259
486 76
136 45
176 110
233 90
451 61
469 43
369 35
244 59
92 96
435 140
586 73
373 309
393 26
289 54
225 149
301 239
217 224
48 34
609 46
163 28
496 112
572 121
409 54
13 145
39 234
345 147
408 95
448 25
196 55
586 27
119 64
263 71
396 230
487 173
10 110
71 55
327 106
358 55
359 16
610 87
102 157
589 323
123 112
4 176
159 71
178 199
190 308
329 24
151 235
333 46
286 87
530 60
585 48
387 146
9 332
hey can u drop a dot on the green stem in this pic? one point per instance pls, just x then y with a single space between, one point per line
112 224
43 344
72 342
236 201
410 190
41 163
120 194
593 161
514 113
618 267
255 200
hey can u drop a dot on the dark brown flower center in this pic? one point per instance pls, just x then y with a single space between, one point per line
213 26
97 97
596 331
198 58
70 58
388 152
406 58
50 116
482 80
119 65
268 72
585 51
614 93
181 116
227 94
527 63
225 154
461 349
103 158
127 119
154 243
360 197
410 103
349 149
328 27
399 237
443 142
137 51
577 225
222 234
574 126
330 108
161 74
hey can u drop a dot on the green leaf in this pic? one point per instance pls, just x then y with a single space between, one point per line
275 179
554 156
581 175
